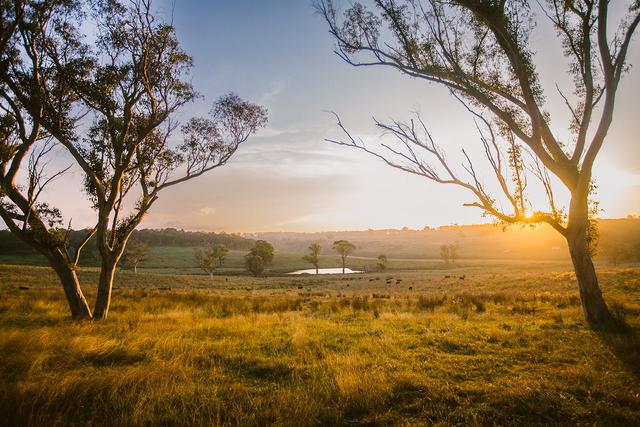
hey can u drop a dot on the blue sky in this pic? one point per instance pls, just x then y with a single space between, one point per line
278 53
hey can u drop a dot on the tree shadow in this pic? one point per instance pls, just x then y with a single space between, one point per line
625 344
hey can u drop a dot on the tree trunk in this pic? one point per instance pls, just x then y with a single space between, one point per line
316 270
211 276
343 264
77 303
105 285
594 308
135 268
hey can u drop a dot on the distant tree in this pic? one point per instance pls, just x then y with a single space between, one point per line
344 248
313 257
264 250
254 263
221 251
136 252
482 52
207 260
382 262
259 257
453 252
615 253
445 254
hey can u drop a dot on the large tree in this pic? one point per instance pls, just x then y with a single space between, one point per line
111 101
481 51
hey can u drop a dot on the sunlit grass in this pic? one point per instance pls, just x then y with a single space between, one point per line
504 349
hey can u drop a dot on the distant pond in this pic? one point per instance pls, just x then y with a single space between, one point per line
326 271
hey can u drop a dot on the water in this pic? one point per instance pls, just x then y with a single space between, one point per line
326 271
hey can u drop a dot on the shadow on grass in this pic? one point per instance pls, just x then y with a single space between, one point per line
625 344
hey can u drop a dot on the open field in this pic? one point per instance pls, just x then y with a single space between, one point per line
506 345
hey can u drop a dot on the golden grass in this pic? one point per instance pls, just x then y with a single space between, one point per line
507 348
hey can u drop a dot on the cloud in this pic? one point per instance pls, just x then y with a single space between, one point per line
207 210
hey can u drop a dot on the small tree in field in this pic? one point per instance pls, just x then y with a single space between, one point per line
382 262
480 50
111 102
221 251
259 257
445 254
134 255
313 257
207 260
254 264
453 252
344 248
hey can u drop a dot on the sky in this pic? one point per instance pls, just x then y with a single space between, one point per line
278 53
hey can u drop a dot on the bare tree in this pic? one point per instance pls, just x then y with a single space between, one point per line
127 85
481 51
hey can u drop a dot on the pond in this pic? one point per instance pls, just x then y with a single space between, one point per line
326 271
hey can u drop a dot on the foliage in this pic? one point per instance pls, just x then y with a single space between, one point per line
382 262
264 250
111 102
313 257
449 253
254 263
343 247
136 252
207 260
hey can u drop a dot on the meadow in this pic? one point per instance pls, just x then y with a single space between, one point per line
474 344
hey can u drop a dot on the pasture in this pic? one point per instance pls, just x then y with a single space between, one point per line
506 345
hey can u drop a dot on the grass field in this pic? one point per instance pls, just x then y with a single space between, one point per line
507 345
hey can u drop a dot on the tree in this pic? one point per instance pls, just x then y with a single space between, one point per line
221 251
30 90
264 250
445 254
134 254
453 252
382 262
344 248
125 88
481 52
207 260
313 257
254 263
615 253
259 257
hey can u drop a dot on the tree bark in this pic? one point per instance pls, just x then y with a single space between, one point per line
68 278
105 285
594 308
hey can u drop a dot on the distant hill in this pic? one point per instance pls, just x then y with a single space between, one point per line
484 241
